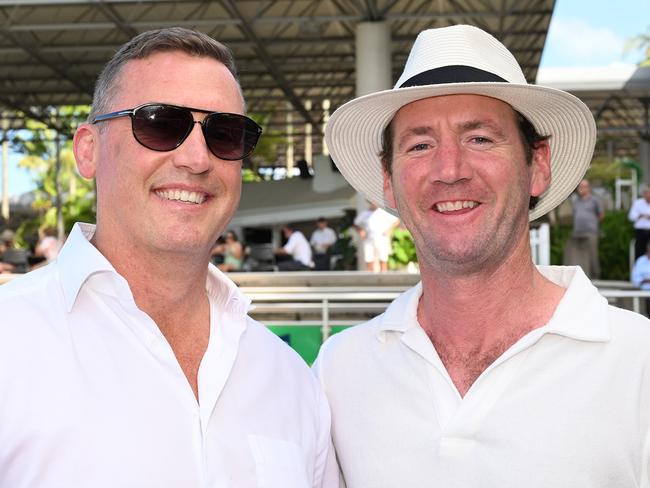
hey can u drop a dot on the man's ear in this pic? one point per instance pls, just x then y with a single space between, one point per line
541 169
389 196
85 147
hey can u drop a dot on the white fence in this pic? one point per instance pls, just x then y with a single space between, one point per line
540 244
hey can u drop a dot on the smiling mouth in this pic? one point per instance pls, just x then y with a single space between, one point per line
455 206
182 196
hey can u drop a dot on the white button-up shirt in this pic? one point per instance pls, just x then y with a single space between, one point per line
91 394
568 405
322 239
299 249
639 214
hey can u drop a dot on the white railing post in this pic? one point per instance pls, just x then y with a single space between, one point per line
326 330
540 244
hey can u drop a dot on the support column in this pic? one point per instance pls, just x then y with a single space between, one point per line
644 159
308 147
4 211
290 160
326 117
373 57
373 66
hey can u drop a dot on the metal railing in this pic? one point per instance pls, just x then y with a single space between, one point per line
332 302
331 305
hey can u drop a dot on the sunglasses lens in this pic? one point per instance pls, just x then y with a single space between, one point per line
161 127
231 136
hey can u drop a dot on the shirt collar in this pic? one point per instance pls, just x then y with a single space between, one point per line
224 293
79 259
581 313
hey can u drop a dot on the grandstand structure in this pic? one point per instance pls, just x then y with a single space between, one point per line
297 59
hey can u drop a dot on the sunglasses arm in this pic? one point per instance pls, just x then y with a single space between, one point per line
113 115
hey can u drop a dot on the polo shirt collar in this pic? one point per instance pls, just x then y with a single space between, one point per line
79 259
581 314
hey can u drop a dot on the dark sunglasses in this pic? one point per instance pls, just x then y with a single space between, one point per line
163 127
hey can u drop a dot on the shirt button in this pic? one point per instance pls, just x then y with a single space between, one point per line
381 337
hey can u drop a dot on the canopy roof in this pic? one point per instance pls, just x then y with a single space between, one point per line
287 51
291 54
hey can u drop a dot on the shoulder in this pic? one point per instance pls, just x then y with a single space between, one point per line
269 351
33 316
630 328
346 349
28 290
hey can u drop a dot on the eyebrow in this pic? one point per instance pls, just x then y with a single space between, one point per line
420 130
482 124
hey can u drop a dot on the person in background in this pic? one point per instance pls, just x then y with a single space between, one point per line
48 246
640 275
639 214
321 240
377 245
297 249
5 268
130 360
233 253
582 247
361 226
13 258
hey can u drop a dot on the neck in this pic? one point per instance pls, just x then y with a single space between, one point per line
479 309
168 286
472 319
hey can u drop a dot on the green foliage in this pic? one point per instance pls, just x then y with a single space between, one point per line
344 245
39 145
642 41
605 172
266 150
250 176
616 232
403 249
347 251
559 236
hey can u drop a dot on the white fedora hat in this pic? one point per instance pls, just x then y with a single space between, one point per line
463 59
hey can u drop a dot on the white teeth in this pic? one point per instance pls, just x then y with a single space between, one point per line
457 205
182 195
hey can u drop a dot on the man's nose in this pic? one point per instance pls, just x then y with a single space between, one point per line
450 163
194 154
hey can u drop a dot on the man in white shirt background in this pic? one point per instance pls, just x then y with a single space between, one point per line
639 214
129 361
321 240
491 372
297 250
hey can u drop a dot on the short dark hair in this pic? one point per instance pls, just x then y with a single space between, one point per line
530 138
147 43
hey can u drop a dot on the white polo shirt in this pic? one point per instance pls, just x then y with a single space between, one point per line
91 394
567 406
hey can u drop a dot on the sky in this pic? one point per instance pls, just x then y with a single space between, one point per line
587 33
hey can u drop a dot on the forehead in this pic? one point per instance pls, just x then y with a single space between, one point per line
456 108
178 78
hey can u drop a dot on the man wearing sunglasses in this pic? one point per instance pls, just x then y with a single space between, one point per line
129 361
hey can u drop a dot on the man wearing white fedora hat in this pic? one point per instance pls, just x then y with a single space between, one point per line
491 371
